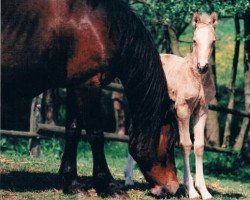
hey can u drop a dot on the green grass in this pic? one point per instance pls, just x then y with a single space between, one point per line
23 177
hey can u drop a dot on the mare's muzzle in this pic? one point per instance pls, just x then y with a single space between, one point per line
202 69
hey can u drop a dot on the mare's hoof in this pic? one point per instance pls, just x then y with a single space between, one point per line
75 187
113 189
129 182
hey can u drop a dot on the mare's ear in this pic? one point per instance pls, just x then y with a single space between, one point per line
196 19
213 19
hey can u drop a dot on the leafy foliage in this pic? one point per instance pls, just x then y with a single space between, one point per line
177 14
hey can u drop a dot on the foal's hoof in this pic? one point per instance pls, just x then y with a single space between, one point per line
75 187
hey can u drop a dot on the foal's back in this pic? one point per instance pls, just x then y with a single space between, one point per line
180 82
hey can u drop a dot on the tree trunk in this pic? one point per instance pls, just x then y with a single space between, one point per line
171 41
35 118
227 131
167 42
50 106
245 124
212 124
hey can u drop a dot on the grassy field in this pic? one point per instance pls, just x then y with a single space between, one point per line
23 177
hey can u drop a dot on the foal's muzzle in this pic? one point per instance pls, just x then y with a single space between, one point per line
202 69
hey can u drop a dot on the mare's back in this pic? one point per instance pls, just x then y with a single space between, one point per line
40 37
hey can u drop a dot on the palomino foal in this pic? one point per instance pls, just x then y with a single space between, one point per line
191 87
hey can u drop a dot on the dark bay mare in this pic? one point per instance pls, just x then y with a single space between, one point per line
82 45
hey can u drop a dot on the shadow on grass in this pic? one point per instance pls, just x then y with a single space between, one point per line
233 172
227 195
29 181
17 181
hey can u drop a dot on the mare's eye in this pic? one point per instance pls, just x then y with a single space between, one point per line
194 41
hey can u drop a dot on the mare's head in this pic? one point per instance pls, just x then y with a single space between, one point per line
203 39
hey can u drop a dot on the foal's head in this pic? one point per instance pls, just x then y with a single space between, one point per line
203 39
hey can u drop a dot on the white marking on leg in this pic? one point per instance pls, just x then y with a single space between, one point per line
200 120
128 171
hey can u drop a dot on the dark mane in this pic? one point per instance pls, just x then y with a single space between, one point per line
142 76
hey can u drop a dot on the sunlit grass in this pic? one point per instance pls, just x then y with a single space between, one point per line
24 177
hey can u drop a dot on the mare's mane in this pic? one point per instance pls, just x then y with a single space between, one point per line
141 72
136 62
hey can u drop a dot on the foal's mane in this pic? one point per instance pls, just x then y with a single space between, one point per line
204 19
141 72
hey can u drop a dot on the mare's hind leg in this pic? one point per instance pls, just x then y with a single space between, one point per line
68 169
104 183
128 171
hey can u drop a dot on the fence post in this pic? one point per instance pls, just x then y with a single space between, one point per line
35 118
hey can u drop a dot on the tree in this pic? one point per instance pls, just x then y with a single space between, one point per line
227 132
245 124
212 125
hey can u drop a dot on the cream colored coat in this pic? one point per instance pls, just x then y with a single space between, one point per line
185 84
191 87
191 93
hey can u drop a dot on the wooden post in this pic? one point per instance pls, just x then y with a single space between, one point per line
35 118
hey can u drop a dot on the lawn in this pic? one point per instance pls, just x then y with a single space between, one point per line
23 177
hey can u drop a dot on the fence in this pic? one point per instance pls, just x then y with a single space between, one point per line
44 131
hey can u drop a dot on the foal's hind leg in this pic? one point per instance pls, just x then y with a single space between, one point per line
200 120
104 183
68 169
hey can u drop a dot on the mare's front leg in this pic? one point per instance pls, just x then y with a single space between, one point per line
199 126
104 183
183 115
68 169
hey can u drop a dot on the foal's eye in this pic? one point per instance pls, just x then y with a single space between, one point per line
194 41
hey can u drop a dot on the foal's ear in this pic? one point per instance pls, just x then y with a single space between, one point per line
196 19
213 19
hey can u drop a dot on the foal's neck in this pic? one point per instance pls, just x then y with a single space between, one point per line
192 62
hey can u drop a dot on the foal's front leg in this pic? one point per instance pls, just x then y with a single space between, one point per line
183 115
199 125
